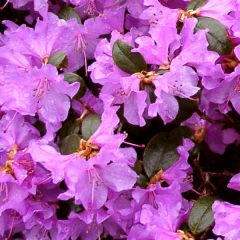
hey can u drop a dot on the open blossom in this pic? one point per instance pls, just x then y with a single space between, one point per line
128 90
214 134
212 9
40 6
42 91
95 169
227 91
163 218
227 218
235 182
181 170
57 183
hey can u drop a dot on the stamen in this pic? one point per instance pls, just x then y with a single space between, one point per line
4 188
95 180
81 46
187 14
147 77
11 229
10 122
45 60
134 145
158 177
42 87
199 133
1 8
87 149
152 200
185 236
44 180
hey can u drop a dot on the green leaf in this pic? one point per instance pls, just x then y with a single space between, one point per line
142 181
126 60
201 215
71 78
195 4
89 125
59 60
68 13
161 151
186 109
69 126
70 144
217 35
162 71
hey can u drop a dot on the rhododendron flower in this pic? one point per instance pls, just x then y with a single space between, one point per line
162 219
227 218
43 91
84 162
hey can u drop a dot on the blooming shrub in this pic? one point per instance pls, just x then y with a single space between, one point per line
119 119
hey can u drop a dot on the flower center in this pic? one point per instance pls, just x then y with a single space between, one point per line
45 60
147 77
187 14
185 236
199 133
87 149
8 167
41 88
158 177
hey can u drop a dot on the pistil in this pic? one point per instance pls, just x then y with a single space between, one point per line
188 14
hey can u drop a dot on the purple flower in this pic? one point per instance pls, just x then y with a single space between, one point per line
212 9
40 6
88 104
105 170
42 91
227 219
182 83
227 91
162 219
181 170
235 182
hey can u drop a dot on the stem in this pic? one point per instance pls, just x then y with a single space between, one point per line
223 174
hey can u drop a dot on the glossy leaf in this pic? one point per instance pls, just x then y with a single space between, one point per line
186 109
201 215
217 35
126 60
68 13
195 4
59 60
70 144
89 125
161 151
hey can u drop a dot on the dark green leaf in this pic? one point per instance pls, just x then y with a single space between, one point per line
126 60
70 144
68 13
162 71
59 60
89 125
71 78
69 126
161 151
195 4
142 181
138 167
217 35
186 109
201 215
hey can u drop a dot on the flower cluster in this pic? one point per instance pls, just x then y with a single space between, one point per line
119 119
